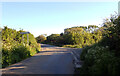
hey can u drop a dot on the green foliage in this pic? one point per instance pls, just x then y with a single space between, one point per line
14 55
72 46
19 53
52 39
5 57
40 38
103 58
76 37
14 48
98 60
84 52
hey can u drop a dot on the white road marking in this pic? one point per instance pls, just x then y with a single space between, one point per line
76 54
75 62
74 57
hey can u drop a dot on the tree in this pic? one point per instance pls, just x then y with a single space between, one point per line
52 39
40 38
92 28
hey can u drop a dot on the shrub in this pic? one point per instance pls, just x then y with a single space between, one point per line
104 57
40 38
14 49
19 53
5 57
98 61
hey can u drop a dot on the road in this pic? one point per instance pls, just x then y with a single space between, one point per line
51 60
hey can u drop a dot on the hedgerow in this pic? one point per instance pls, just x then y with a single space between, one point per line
103 58
14 48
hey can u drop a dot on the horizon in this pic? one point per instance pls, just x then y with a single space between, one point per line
53 17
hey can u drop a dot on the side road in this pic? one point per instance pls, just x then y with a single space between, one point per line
51 60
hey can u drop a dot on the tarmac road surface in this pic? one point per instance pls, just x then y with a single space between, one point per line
51 60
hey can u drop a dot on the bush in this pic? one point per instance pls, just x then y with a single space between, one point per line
99 60
84 52
14 55
40 38
103 58
14 49
5 58
19 53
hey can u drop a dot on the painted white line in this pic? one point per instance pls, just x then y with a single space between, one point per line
76 54
74 57
76 62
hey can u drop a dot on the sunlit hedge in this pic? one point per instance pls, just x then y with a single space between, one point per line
14 48
76 37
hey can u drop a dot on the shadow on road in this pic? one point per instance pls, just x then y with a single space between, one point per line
52 60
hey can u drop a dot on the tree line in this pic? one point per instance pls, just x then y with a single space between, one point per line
76 37
100 46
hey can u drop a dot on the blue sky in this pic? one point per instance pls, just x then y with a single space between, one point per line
53 17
